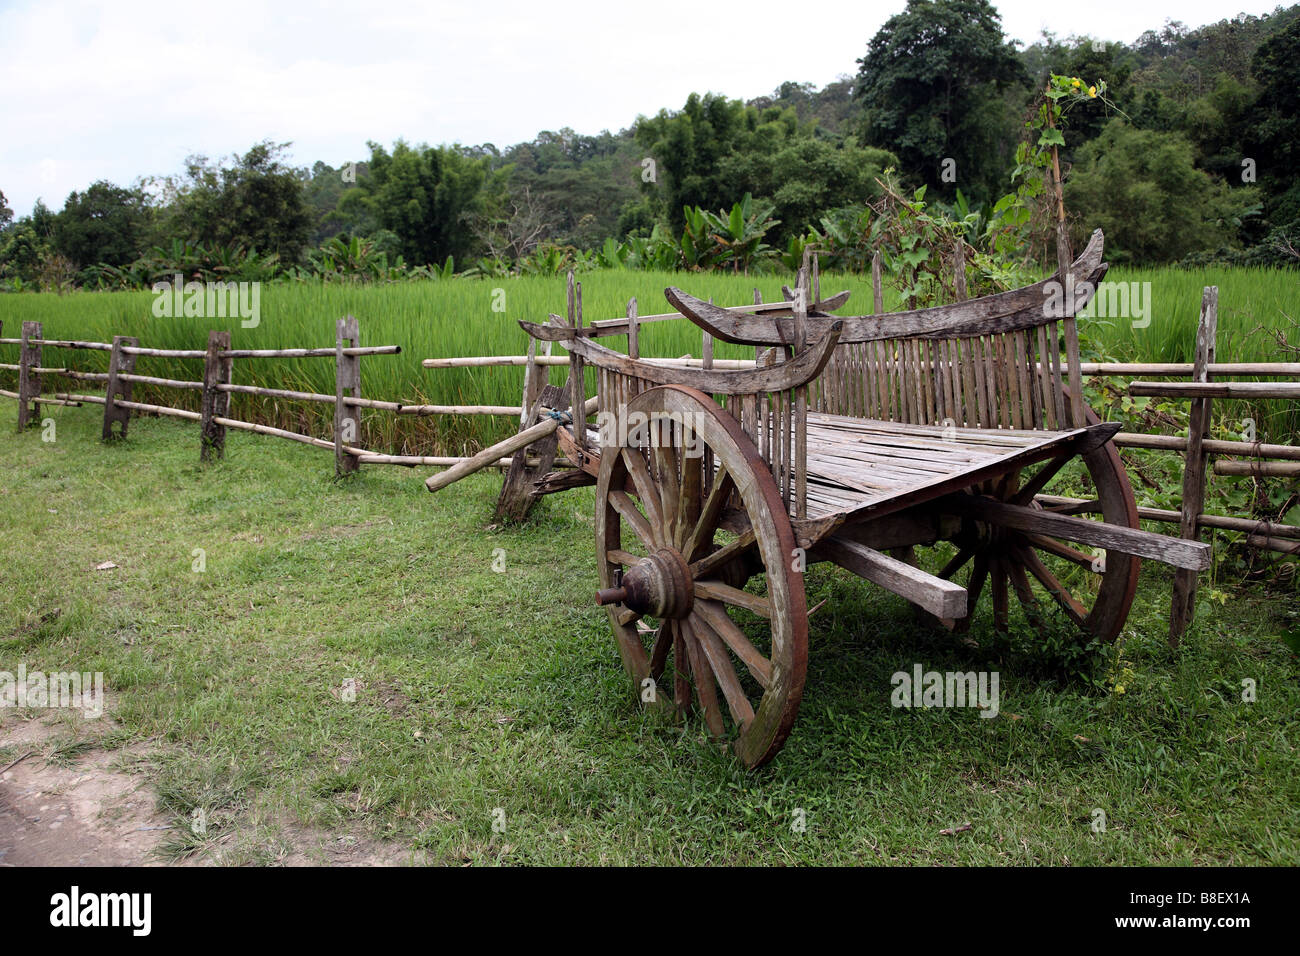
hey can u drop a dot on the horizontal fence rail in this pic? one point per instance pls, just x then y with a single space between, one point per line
216 387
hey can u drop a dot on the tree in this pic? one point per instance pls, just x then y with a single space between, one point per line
807 178
322 194
6 214
256 202
714 150
1143 188
930 85
584 182
427 196
26 246
691 146
1276 143
105 224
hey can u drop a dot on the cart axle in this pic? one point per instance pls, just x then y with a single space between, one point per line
660 585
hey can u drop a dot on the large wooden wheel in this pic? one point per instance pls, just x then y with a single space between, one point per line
697 570
1092 588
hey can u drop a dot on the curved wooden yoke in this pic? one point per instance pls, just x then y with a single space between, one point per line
799 370
1051 300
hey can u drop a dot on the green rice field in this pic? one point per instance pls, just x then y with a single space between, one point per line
434 319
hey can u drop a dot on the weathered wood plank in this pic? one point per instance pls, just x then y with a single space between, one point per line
214 404
1184 594
347 382
1026 307
1144 544
803 368
1207 389
500 450
936 595
120 365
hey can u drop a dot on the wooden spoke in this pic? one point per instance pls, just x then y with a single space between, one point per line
715 654
681 669
724 555
998 576
707 524
659 653
1037 483
1024 592
688 514
1052 546
670 488
645 491
705 688
630 513
1089 507
956 564
1006 486
714 617
979 572
622 557
717 591
1076 611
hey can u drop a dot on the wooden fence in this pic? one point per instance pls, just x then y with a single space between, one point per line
216 388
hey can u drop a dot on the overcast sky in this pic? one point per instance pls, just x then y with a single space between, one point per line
118 90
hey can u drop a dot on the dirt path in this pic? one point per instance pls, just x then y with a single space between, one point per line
79 813
81 809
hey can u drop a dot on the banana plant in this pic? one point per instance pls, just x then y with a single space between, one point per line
613 255
739 234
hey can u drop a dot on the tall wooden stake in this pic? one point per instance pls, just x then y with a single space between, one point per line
215 403
800 456
516 499
29 382
118 362
577 373
877 288
1064 257
959 270
347 383
633 330
1184 606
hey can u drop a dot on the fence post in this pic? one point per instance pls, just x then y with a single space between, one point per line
118 361
214 403
516 498
347 383
633 330
29 383
1184 605
577 374
959 270
536 376
877 287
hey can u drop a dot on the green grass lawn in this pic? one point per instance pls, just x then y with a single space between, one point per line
478 690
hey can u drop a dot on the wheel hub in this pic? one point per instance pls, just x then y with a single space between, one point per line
659 585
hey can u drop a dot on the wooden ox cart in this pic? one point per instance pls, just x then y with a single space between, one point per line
854 440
